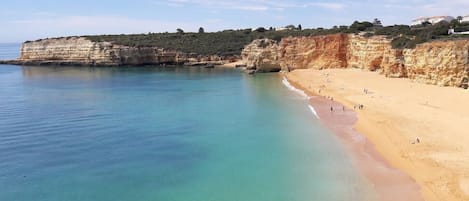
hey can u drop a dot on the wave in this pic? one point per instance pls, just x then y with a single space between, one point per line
291 87
301 93
313 111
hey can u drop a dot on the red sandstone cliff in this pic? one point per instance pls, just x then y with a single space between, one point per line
314 52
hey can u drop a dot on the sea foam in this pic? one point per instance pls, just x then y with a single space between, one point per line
291 87
313 111
301 93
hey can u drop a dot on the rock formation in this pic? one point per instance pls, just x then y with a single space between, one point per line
444 63
262 55
81 51
316 52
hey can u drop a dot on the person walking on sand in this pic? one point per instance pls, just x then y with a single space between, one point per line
332 109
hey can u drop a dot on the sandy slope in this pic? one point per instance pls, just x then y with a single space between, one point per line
397 111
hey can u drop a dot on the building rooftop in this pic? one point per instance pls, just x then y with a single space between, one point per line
427 18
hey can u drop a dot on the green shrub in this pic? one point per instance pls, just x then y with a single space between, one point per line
400 42
232 42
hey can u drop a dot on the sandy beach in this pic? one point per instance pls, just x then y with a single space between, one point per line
396 113
232 64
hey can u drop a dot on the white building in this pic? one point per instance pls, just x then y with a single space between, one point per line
465 19
431 20
284 28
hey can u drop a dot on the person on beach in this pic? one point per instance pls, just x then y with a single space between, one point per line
360 107
332 109
343 108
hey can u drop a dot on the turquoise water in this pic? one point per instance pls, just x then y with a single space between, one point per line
163 134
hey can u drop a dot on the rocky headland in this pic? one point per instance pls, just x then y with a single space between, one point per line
84 52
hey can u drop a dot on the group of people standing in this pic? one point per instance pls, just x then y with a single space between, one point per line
359 106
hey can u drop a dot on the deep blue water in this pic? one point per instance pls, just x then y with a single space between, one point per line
163 134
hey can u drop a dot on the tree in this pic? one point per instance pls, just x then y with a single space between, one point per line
290 27
261 29
360 26
299 27
454 23
201 30
426 23
377 22
179 30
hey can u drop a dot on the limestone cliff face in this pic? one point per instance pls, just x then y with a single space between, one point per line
367 52
316 52
262 55
444 63
375 53
81 51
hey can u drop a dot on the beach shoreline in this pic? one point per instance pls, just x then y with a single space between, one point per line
396 113
387 182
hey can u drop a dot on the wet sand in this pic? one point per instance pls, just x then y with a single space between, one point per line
397 111
389 183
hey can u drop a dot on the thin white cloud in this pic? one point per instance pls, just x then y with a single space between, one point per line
326 5
253 5
176 3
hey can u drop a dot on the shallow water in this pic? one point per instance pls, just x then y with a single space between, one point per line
165 134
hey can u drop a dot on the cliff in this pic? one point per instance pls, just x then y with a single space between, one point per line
262 52
81 51
443 63
316 52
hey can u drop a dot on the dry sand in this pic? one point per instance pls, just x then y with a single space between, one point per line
232 64
397 111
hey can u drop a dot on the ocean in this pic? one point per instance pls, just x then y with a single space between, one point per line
9 50
164 134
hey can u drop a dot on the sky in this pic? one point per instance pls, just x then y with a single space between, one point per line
22 20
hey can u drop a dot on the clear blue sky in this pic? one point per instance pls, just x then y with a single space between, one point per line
32 19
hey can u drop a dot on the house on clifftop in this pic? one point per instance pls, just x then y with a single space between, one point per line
465 19
431 20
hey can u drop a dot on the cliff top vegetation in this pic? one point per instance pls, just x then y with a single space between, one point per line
231 42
